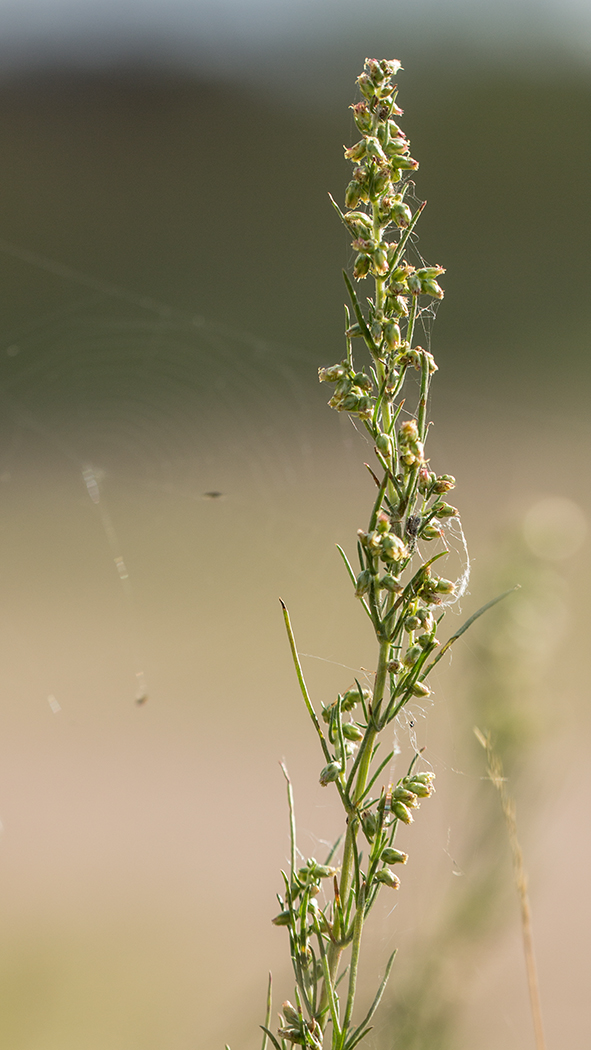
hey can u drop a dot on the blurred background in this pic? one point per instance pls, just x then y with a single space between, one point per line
171 280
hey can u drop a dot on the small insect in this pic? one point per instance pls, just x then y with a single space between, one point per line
212 495
412 723
413 524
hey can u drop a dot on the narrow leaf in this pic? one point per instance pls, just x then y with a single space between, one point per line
466 625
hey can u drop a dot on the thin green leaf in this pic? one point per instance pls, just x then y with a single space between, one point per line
292 823
353 577
302 683
466 625
376 1001
265 1027
403 240
359 314
271 1037
357 1037
376 775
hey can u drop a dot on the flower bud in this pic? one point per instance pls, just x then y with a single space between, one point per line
412 654
401 812
291 1015
330 773
412 623
393 856
353 194
362 381
283 919
393 548
362 117
361 267
388 878
351 697
392 335
443 510
359 223
389 583
374 69
445 586
400 212
430 287
420 689
426 641
366 87
405 163
430 532
393 666
384 444
370 825
419 788
332 374
380 264
352 731
356 152
444 483
398 304
426 619
363 584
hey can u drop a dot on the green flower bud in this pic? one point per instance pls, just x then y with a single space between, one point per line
398 304
426 619
359 223
429 287
379 262
364 407
392 335
445 586
283 919
426 641
356 152
420 689
419 788
401 812
444 483
411 656
443 510
291 1015
402 794
388 878
393 666
412 623
366 86
362 117
400 212
384 444
332 374
351 697
393 548
361 267
352 731
363 583
391 584
362 381
374 69
314 870
414 284
430 532
353 194
330 773
393 856
405 163
370 825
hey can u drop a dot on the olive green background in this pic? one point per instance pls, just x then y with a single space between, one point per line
171 279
